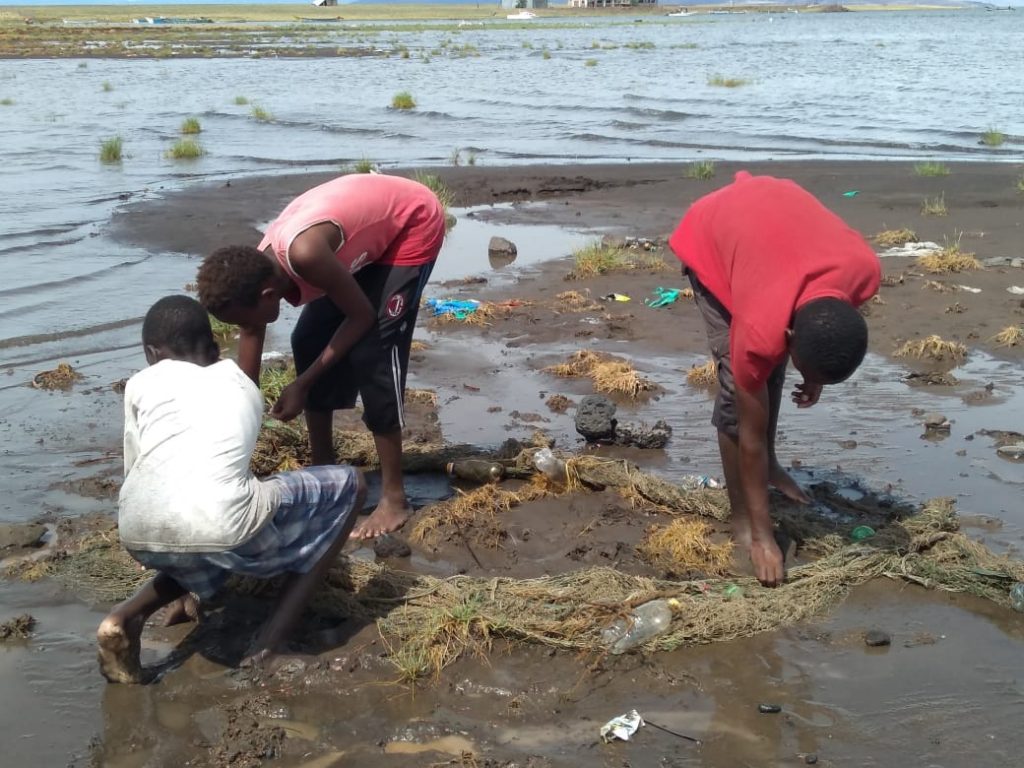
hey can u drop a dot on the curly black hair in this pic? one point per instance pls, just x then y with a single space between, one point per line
180 325
234 274
830 338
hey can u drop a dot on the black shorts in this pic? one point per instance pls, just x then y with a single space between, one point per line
375 367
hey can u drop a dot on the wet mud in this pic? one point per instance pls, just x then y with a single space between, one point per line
943 692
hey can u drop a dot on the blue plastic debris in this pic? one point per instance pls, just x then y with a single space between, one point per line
460 309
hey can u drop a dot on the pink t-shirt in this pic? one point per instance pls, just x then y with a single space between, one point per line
382 220
764 247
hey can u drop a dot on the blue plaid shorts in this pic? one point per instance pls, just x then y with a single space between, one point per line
315 504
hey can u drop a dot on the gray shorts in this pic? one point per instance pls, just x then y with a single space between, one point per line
717 322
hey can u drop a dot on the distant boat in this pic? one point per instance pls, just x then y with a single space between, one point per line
682 13
521 16
172 20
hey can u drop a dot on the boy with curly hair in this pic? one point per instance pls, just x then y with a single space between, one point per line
355 253
777 277
190 507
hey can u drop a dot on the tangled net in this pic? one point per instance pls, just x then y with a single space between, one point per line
428 622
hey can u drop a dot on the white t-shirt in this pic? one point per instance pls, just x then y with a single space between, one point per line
189 432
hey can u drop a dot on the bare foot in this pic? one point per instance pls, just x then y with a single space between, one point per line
119 646
785 484
741 534
388 517
185 608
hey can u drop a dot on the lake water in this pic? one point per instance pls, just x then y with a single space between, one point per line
856 85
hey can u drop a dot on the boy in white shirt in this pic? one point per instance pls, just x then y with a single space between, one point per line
190 507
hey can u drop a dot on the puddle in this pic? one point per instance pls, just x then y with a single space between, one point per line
449 745
465 248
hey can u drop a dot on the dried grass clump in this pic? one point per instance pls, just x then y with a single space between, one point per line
933 348
684 546
471 515
938 286
62 377
894 238
418 346
703 376
1010 336
949 259
611 375
574 301
426 397
558 403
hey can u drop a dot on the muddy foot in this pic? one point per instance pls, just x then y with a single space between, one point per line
786 485
119 646
388 517
183 609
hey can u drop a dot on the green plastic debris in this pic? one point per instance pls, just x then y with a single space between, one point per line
862 532
851 193
732 592
663 297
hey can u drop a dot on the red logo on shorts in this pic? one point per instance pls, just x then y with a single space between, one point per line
395 305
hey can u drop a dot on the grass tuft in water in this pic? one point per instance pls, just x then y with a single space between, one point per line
703 170
727 82
455 158
6 102
185 149
934 206
993 138
1020 184
403 100
546 54
191 126
363 165
107 87
241 101
930 168
259 114
111 150
590 63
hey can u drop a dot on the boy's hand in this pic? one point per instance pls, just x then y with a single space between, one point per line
805 395
766 557
291 402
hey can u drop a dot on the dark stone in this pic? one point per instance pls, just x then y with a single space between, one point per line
389 545
595 418
21 535
811 759
642 436
502 249
876 638
769 709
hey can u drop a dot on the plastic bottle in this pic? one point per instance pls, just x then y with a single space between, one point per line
1017 596
476 470
552 466
645 621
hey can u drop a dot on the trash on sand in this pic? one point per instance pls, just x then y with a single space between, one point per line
1016 290
476 470
851 193
645 621
552 466
621 727
911 249
663 297
458 308
969 289
1017 596
769 709
615 297
696 482
862 532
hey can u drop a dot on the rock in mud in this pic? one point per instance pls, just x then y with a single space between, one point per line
18 628
876 638
389 545
500 248
595 418
21 535
1013 451
936 422
642 436
558 403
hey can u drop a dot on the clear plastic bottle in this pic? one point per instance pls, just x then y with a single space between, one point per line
552 466
1017 596
645 621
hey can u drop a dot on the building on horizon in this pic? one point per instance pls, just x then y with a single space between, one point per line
523 5
609 3
324 3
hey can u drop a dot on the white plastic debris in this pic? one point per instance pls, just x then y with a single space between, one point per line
621 727
268 357
1016 290
911 249
695 482
968 289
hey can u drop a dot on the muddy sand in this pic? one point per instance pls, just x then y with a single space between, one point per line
946 690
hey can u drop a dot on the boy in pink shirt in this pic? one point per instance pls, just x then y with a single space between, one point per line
355 253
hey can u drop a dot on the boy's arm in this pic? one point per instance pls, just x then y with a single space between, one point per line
314 260
752 408
250 350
